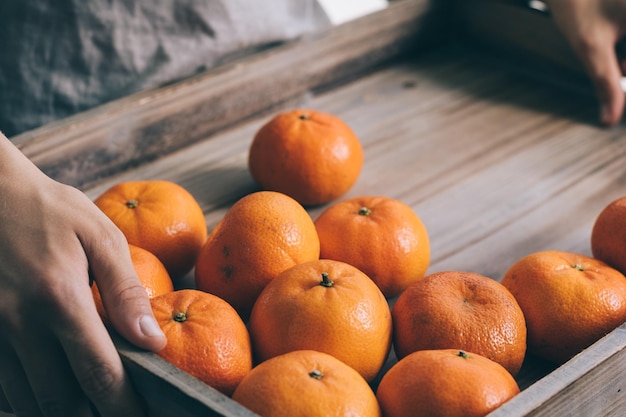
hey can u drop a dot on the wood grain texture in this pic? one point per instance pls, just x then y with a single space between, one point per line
591 385
497 166
168 391
121 134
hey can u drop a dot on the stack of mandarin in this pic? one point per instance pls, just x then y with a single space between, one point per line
334 316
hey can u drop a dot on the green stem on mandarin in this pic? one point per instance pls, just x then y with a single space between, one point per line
132 203
364 211
180 317
326 281
578 267
316 374
463 354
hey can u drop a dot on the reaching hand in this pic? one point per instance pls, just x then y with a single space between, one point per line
56 356
593 28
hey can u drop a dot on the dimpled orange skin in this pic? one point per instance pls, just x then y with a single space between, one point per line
569 301
381 236
460 310
160 216
205 337
608 236
444 383
306 383
309 155
259 237
349 319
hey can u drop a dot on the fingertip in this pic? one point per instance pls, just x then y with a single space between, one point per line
154 336
606 115
604 69
611 111
611 97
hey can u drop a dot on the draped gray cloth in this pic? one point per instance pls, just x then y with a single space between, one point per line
60 57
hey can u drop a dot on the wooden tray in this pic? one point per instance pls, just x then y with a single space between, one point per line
497 164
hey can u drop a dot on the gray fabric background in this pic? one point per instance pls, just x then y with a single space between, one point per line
60 57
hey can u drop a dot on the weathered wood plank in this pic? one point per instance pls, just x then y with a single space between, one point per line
116 136
168 391
591 384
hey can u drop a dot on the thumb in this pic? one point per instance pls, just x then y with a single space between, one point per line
600 60
124 297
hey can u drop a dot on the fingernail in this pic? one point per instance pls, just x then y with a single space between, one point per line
149 327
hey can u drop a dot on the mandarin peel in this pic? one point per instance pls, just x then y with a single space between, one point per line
311 156
260 236
305 383
433 383
398 256
345 316
461 310
565 299
159 216
205 337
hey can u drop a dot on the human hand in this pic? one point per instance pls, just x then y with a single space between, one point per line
56 356
593 28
